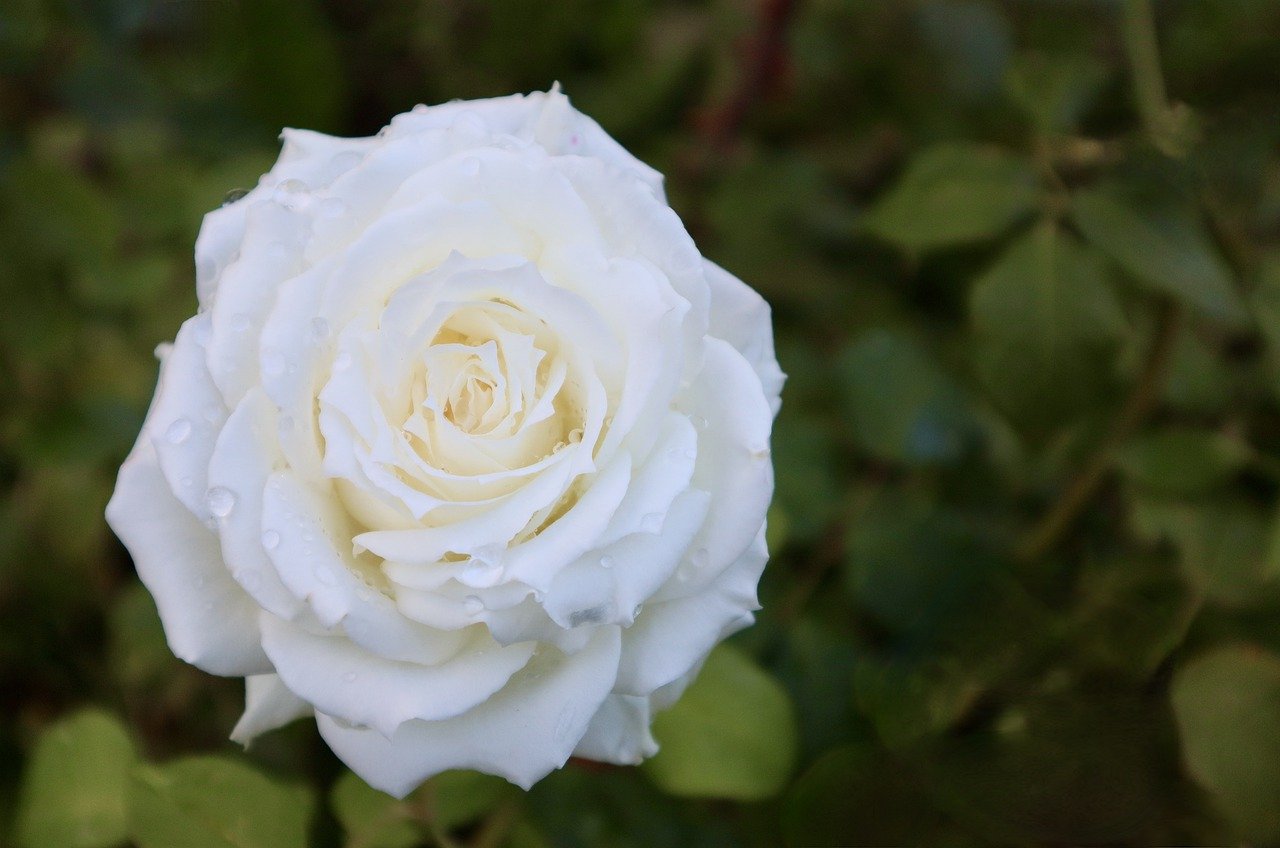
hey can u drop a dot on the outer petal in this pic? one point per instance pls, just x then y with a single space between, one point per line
619 733
669 639
344 681
186 416
244 457
209 620
522 733
268 704
740 316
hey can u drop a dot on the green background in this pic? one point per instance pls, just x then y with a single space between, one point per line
1024 259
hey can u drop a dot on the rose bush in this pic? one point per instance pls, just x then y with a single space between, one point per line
466 451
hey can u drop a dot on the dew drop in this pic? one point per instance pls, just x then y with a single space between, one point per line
288 193
635 613
212 413
326 576
178 432
699 421
607 561
270 540
473 605
220 501
162 350
651 522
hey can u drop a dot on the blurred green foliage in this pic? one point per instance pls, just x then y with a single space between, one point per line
1026 574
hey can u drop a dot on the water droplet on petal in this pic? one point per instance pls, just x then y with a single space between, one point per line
270 540
213 413
473 605
607 561
319 329
699 421
178 432
220 501
325 575
635 613
290 193
651 523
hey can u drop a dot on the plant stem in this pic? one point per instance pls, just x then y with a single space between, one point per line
1142 399
1139 29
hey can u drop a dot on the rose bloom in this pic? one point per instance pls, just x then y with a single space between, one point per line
466 452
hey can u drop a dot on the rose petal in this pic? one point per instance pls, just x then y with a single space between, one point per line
619 732
208 619
522 733
670 638
268 704
740 316
185 417
346 682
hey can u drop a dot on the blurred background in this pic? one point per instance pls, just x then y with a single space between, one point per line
1024 260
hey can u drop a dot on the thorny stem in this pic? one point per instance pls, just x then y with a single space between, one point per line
1146 391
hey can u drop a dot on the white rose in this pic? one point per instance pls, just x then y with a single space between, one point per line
466 452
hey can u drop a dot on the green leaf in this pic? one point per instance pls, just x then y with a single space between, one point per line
293 70
371 818
952 194
900 406
732 734
460 797
1131 614
1047 327
1227 703
1222 546
215 802
1265 300
857 795
73 792
1181 461
1164 246
1076 765
1055 90
138 649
